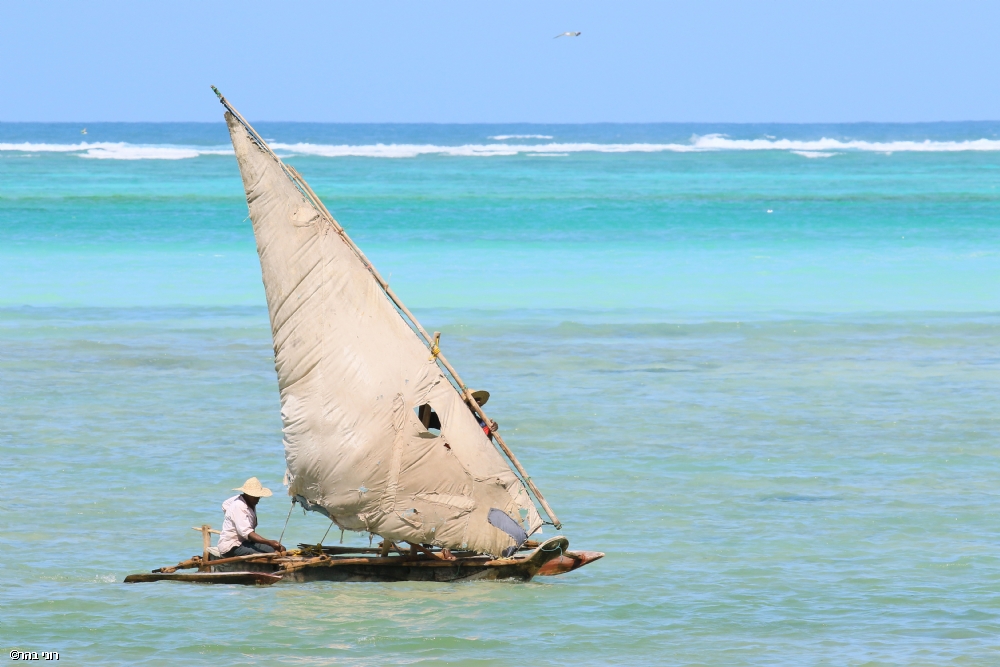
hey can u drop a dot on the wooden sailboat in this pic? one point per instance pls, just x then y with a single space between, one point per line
381 434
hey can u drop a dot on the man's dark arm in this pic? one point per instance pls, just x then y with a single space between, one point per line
254 537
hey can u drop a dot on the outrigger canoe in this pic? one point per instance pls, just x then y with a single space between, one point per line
381 434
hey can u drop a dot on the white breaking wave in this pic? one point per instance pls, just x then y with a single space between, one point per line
132 152
466 150
712 142
707 143
721 142
505 137
813 154
119 151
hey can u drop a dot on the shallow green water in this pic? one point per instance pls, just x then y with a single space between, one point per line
781 427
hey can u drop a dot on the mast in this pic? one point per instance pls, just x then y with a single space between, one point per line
431 343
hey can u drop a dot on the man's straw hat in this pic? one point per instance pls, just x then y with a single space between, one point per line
252 487
481 396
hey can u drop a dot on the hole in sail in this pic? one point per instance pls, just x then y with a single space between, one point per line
428 418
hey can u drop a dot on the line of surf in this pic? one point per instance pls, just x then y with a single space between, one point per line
505 137
823 147
118 150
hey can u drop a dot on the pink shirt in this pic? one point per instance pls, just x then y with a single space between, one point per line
240 521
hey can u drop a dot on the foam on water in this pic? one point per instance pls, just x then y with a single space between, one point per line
117 150
721 142
505 137
712 142
813 154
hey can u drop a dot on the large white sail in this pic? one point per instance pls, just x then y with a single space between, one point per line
352 375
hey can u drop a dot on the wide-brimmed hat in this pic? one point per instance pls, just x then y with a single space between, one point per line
481 396
252 487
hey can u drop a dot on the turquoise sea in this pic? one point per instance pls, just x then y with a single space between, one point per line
757 365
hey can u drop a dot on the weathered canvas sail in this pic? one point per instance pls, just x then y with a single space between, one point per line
352 375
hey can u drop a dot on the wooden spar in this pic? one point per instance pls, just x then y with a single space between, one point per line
341 550
530 544
193 562
431 341
303 187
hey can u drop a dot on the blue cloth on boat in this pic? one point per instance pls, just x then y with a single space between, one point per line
500 519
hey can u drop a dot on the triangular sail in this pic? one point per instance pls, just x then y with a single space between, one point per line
352 375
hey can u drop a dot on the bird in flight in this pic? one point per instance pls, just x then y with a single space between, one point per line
568 34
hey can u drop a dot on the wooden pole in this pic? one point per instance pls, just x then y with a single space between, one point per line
463 390
206 543
236 559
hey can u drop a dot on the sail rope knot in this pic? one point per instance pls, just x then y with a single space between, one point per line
435 346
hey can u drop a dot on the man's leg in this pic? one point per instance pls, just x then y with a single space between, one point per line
241 550
249 549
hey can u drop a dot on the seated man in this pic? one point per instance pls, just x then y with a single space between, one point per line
238 537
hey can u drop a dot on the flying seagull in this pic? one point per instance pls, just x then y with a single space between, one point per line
568 34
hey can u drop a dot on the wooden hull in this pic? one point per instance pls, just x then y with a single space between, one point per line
374 573
446 571
243 578
549 558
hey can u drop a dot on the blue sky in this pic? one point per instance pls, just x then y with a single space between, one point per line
414 61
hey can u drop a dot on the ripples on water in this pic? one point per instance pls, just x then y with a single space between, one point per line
803 490
809 484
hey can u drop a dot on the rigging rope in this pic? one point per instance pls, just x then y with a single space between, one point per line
286 520
320 543
558 546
